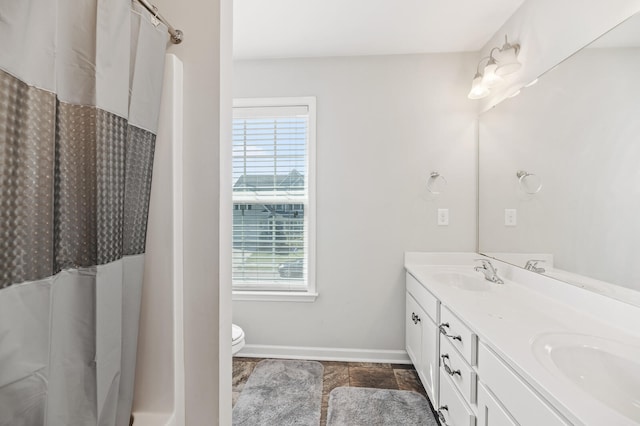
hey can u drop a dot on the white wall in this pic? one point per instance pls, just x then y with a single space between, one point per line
577 129
384 123
206 55
550 31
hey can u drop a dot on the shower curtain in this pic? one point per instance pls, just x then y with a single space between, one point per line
80 84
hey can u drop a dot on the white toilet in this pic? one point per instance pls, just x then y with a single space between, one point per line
237 339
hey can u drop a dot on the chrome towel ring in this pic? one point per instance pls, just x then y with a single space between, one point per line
532 178
431 182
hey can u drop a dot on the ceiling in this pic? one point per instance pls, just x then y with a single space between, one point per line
315 28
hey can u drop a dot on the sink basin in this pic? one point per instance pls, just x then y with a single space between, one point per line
464 280
607 370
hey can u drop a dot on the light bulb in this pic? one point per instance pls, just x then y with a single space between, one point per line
490 78
508 63
478 89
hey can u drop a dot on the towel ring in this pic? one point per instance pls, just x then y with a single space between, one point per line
433 177
522 177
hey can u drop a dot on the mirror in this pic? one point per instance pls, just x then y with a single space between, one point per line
559 170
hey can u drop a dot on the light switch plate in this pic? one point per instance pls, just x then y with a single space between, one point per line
510 217
443 217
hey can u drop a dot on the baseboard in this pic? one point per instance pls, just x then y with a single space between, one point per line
325 354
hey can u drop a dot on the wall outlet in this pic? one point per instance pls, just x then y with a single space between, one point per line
443 217
510 217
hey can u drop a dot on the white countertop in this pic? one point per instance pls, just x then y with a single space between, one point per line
508 318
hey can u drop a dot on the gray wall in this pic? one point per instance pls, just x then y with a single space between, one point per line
384 122
577 129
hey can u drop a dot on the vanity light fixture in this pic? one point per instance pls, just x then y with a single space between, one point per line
508 58
504 62
478 89
490 78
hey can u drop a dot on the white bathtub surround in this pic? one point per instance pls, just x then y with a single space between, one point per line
510 320
159 398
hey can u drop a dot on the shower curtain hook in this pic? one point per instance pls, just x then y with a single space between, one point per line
154 19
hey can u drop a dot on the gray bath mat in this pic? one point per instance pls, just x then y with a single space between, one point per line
281 393
378 407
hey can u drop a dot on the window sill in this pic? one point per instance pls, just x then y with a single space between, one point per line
274 296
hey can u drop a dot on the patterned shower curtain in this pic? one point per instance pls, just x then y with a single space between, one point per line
80 84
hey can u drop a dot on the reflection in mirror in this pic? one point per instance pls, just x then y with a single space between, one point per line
577 135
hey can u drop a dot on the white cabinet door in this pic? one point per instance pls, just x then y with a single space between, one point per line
524 405
452 408
413 332
490 411
430 358
421 343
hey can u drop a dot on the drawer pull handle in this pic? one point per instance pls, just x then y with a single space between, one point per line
448 369
441 415
415 318
443 331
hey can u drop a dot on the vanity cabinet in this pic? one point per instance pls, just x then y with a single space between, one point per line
467 382
461 374
453 409
490 411
421 334
413 331
522 402
458 379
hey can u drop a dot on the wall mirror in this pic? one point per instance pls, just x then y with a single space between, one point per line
559 170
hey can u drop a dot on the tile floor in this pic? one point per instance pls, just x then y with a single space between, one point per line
355 374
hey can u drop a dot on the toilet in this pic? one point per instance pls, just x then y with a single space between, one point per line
237 339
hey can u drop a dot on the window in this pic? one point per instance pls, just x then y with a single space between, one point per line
273 195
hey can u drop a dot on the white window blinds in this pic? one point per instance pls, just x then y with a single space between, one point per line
271 197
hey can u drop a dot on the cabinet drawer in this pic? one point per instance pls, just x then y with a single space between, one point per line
461 373
526 407
427 300
454 330
490 411
453 410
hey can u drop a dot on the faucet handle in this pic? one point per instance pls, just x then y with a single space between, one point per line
532 266
486 264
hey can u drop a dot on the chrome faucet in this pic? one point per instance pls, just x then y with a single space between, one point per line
532 265
490 273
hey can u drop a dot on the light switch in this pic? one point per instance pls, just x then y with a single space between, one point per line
510 217
443 217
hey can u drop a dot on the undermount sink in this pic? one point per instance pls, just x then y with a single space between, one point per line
463 280
605 369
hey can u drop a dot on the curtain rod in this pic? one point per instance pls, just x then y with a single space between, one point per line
176 35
